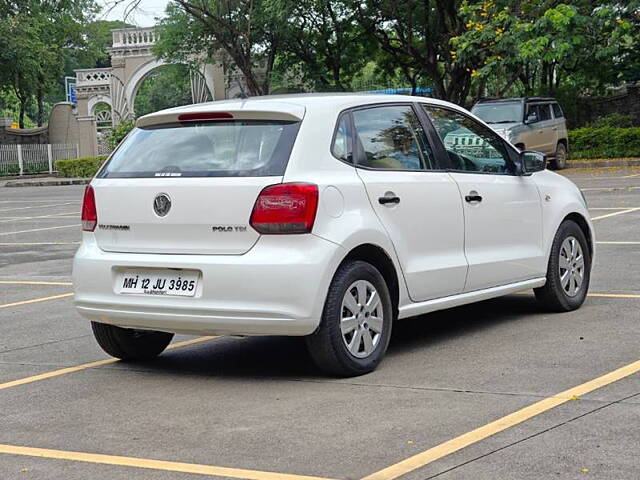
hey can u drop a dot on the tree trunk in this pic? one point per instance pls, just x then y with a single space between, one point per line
39 96
480 91
414 84
23 107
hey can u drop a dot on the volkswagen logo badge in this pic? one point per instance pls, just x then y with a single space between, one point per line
162 204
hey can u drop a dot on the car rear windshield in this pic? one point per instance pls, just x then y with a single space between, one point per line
499 112
213 149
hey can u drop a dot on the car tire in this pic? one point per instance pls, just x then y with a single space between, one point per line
560 160
348 341
569 261
129 344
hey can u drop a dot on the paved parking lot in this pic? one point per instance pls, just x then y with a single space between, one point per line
497 390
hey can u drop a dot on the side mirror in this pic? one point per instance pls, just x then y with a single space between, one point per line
531 118
532 161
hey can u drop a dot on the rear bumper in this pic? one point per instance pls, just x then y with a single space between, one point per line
277 288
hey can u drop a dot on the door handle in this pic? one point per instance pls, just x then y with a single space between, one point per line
390 199
473 197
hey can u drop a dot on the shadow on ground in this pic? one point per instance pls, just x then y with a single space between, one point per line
286 357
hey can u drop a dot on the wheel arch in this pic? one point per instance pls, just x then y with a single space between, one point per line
380 259
584 226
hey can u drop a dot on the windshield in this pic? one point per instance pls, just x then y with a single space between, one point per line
502 112
214 149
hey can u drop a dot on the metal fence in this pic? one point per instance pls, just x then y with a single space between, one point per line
24 159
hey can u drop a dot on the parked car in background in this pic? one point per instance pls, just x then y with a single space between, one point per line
324 216
531 123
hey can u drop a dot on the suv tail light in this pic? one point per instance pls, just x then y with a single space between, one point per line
89 213
285 208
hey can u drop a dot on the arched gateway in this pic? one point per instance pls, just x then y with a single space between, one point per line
132 61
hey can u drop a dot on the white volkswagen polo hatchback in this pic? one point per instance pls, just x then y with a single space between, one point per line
323 216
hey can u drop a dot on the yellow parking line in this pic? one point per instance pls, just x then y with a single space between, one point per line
617 243
595 295
613 295
56 373
608 208
22 282
40 229
629 210
152 464
447 448
85 366
36 300
191 341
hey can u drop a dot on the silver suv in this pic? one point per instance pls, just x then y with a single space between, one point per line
530 123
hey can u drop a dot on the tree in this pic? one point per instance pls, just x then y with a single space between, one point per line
35 36
20 51
168 86
324 41
543 45
245 31
94 53
414 37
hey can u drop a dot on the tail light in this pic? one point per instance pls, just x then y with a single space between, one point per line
89 213
285 208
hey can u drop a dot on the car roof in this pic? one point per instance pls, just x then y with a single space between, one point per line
283 107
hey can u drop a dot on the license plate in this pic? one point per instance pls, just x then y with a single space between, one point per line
161 282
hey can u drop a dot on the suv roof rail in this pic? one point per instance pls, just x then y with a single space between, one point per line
496 99
539 99
517 99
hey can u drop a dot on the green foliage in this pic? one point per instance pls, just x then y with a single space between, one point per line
10 107
618 120
534 47
167 86
413 39
117 133
99 39
35 37
604 142
324 44
79 167
245 34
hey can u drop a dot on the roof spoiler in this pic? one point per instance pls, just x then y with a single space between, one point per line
217 112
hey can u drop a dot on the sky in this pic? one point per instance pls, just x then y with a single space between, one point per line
143 16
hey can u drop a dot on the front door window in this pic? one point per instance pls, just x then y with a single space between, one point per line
471 146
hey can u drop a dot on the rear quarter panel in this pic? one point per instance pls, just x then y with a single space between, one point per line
345 215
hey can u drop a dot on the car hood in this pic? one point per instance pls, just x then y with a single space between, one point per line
503 128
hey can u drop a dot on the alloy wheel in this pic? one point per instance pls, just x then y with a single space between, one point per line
561 157
361 320
571 266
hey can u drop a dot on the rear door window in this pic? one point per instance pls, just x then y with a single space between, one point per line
544 112
213 149
557 111
391 138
